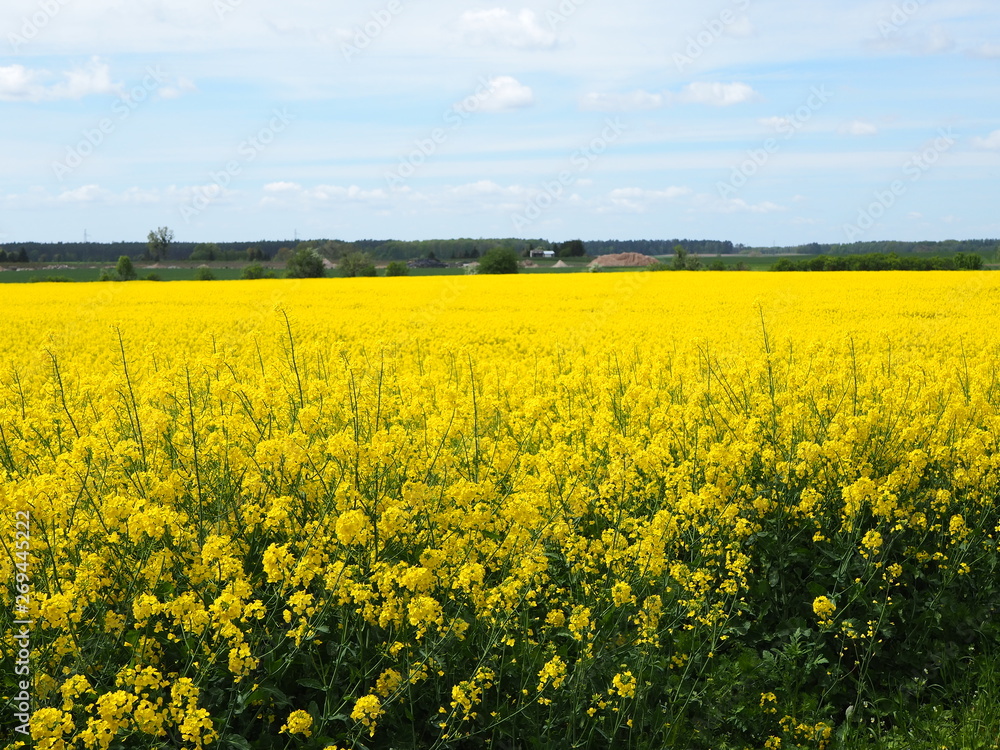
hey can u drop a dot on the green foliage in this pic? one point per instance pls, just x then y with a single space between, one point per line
153 277
158 243
357 264
305 263
257 271
204 274
205 251
50 279
571 249
397 268
125 269
499 260
882 262
683 261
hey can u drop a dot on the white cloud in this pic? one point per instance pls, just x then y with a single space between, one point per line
634 101
741 27
937 42
180 87
990 142
292 194
500 27
85 194
485 187
17 83
717 94
776 123
737 205
20 84
987 51
637 200
282 187
858 128
499 94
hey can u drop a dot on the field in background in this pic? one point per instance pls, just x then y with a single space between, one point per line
230 270
641 510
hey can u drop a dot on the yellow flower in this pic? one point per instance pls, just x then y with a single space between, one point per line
553 673
871 542
366 710
350 525
824 608
299 722
621 594
624 684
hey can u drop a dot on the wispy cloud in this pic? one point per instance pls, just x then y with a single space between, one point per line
638 200
987 51
500 27
718 94
501 94
858 128
989 143
631 102
21 84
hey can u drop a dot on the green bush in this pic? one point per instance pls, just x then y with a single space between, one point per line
125 269
204 274
153 277
256 271
305 263
397 268
50 279
357 264
499 260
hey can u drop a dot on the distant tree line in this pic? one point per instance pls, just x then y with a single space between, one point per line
663 247
70 252
19 255
882 262
986 248
456 249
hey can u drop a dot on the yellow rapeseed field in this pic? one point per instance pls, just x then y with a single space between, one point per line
648 510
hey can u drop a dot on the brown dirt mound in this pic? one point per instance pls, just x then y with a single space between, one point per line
560 264
624 260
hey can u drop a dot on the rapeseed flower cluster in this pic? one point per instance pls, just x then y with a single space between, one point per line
434 510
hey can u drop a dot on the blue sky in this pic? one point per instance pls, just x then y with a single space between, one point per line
757 121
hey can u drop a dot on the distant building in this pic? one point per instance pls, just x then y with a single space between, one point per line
543 253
